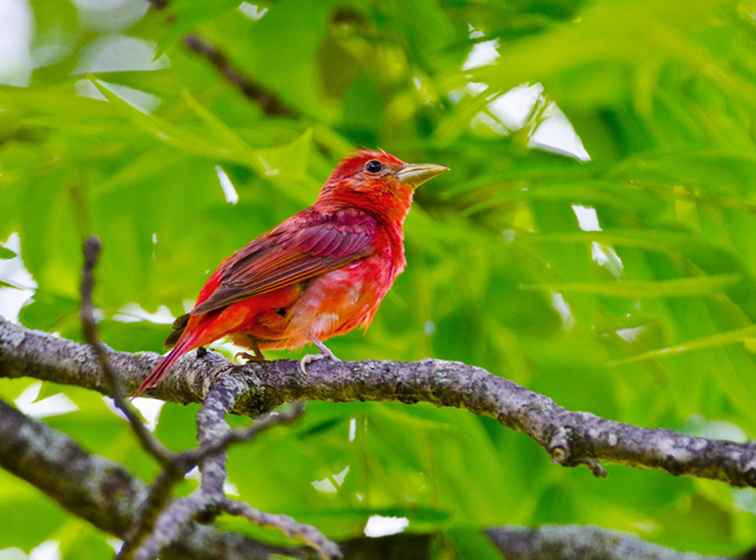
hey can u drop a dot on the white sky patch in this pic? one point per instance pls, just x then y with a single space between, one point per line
381 526
429 328
587 217
51 52
475 88
110 15
473 32
14 272
471 88
514 107
331 484
606 256
352 429
563 308
148 408
141 100
630 334
114 543
229 191
603 255
745 499
228 347
48 550
252 11
54 405
482 54
16 28
229 488
716 429
555 134
120 53
154 238
133 313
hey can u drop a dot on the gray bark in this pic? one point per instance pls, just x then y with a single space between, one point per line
576 542
107 496
570 438
101 491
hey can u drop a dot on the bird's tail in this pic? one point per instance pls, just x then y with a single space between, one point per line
162 367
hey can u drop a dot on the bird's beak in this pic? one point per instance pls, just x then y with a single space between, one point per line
415 174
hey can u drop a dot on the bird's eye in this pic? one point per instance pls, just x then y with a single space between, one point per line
374 166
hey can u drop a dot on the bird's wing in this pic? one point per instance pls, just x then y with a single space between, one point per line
307 246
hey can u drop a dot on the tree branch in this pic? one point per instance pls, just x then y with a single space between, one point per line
107 496
570 438
269 102
576 542
215 436
151 445
102 492
155 529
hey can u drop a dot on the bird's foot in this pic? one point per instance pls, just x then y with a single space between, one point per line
202 352
325 354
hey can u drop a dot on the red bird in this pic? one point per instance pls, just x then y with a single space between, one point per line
321 273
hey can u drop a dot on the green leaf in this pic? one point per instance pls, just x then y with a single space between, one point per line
714 341
684 287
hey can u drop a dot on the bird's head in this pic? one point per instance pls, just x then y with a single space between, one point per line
378 181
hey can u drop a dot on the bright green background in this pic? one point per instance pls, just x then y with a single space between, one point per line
663 95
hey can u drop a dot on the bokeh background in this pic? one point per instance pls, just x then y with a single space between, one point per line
594 241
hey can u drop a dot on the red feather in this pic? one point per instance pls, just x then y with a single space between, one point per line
322 272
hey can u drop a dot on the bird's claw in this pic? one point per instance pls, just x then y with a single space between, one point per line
309 358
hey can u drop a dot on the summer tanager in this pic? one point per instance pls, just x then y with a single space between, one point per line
321 273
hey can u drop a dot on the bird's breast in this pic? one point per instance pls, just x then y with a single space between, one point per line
339 301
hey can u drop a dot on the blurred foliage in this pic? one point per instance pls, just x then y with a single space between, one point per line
645 316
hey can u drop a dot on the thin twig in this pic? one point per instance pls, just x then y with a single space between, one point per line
262 424
161 489
269 102
159 495
290 527
215 437
85 484
91 250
